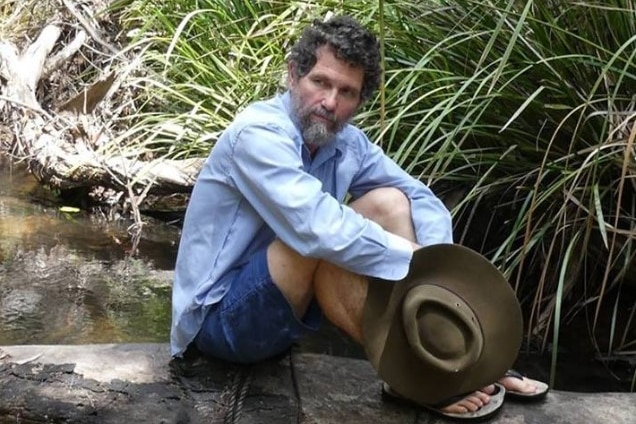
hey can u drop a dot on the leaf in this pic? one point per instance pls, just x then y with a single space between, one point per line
69 209
86 101
522 107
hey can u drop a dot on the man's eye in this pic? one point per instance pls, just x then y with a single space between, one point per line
349 94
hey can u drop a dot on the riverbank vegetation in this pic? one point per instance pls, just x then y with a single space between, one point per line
520 115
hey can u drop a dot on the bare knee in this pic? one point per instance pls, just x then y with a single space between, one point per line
386 206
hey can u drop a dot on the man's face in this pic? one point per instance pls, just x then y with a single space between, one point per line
326 98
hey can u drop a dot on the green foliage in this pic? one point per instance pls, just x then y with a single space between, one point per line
519 113
208 60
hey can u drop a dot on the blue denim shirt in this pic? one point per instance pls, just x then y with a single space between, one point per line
260 183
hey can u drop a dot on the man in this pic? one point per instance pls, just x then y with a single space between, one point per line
268 243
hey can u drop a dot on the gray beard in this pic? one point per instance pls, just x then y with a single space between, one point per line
317 134
314 133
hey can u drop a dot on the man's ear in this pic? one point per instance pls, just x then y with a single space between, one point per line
291 73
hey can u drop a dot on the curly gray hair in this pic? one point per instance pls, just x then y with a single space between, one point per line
351 42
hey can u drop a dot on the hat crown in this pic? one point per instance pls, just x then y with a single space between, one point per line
409 336
441 328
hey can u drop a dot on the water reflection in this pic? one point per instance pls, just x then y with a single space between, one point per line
30 218
70 278
57 296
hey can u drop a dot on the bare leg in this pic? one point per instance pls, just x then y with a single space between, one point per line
340 293
293 274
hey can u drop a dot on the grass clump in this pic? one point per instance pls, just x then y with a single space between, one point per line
520 114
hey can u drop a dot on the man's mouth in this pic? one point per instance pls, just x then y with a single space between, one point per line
324 118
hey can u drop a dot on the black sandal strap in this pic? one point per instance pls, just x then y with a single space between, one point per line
514 373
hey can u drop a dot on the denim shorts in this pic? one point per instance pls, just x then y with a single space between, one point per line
253 321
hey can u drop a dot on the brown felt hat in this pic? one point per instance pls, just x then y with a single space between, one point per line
452 326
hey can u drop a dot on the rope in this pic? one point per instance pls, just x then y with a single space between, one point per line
240 384
238 392
299 401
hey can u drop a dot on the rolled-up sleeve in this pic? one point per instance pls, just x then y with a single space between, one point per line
267 168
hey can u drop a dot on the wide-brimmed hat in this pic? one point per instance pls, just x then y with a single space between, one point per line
451 326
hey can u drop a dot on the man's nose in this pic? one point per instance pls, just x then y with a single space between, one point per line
330 100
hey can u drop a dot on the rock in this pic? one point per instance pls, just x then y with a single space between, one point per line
115 383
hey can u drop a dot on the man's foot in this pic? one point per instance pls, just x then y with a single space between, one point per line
523 388
477 406
472 402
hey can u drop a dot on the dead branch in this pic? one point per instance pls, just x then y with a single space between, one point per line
23 71
64 146
64 55
88 27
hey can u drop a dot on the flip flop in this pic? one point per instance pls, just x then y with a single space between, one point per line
482 414
539 394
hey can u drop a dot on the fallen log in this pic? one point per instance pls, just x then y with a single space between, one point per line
140 383
54 164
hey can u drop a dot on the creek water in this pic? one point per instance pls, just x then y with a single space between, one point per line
70 278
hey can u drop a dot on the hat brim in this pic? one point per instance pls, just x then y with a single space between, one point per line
470 276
